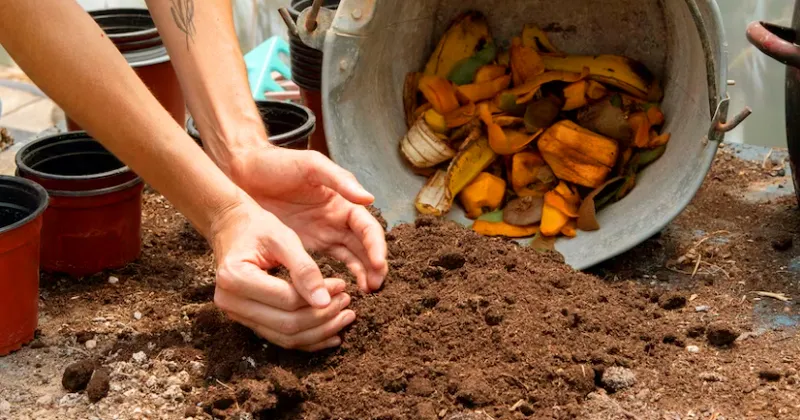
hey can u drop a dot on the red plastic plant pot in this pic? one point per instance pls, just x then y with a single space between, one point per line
22 204
313 100
290 125
135 35
94 219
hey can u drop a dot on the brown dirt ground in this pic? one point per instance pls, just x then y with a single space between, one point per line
466 328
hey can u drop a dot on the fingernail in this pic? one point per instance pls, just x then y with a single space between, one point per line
320 297
349 318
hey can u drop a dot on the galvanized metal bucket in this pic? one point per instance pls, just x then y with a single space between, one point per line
369 46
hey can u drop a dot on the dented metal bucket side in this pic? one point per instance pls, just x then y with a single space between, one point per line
372 45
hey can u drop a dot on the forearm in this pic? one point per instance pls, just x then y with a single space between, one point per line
204 50
72 60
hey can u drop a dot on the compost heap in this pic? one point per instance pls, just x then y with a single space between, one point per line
531 140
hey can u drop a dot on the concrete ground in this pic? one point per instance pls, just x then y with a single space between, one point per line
24 111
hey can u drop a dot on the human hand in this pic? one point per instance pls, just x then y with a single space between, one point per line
320 201
247 241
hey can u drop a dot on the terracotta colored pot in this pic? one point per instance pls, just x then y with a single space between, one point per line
135 35
290 125
313 100
93 222
22 204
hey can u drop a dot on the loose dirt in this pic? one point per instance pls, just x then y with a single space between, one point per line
466 327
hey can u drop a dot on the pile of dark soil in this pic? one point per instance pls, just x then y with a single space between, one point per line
464 322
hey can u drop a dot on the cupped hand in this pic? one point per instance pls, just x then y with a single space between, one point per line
305 315
320 201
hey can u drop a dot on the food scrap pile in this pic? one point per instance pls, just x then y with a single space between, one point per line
531 140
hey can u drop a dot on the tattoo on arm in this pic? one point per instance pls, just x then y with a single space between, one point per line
183 15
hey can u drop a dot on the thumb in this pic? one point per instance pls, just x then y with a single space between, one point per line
306 276
322 171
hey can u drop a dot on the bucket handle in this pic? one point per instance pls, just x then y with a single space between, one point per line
775 41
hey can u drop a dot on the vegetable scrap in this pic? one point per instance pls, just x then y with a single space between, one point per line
529 140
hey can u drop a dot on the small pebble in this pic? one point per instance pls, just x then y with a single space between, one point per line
712 377
45 401
113 280
617 378
702 308
90 344
139 357
5 407
196 368
693 349
137 315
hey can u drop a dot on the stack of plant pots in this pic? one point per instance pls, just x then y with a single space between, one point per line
135 35
306 65
72 208
289 125
22 204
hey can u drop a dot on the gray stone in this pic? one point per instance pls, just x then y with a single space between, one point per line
617 378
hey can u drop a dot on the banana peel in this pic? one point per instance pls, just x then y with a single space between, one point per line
578 155
461 116
490 72
503 229
473 158
434 198
439 92
525 62
626 74
422 148
477 92
467 34
528 90
436 121
533 37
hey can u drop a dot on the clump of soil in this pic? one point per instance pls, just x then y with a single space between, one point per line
77 375
99 385
722 334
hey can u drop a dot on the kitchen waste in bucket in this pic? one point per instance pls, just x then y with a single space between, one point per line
681 41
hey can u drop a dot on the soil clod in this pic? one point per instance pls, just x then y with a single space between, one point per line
672 301
77 375
721 334
450 260
474 391
770 375
782 243
99 385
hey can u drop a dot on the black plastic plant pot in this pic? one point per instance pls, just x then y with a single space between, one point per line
289 125
297 6
22 204
306 62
